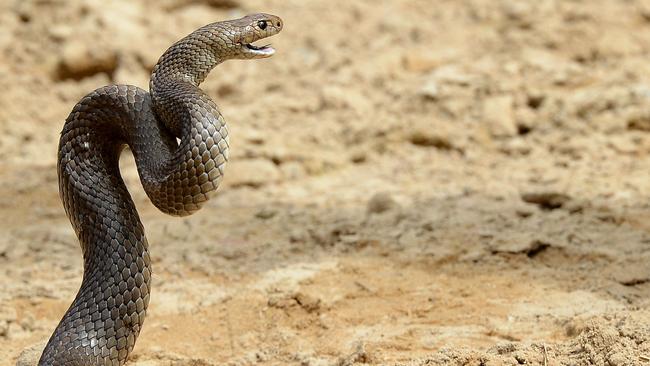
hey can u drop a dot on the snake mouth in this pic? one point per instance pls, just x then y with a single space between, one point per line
259 51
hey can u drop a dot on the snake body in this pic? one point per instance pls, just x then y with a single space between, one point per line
105 318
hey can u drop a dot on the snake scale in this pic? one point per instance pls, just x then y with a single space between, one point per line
180 144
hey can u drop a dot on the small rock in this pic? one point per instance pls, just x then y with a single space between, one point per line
546 200
516 146
358 156
498 113
430 90
266 213
531 248
60 32
576 206
535 99
608 214
336 97
292 170
252 173
30 356
79 60
252 135
623 144
526 120
521 359
297 236
453 75
639 121
632 275
309 303
644 11
4 328
282 302
524 212
518 12
430 139
381 202
420 61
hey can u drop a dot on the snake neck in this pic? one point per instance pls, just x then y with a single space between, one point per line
186 62
178 73
192 58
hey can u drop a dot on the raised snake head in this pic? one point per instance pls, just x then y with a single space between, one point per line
252 28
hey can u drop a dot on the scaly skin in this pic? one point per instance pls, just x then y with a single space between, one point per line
103 322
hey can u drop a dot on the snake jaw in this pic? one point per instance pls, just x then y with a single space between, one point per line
258 51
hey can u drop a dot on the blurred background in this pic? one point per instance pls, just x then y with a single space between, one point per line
455 182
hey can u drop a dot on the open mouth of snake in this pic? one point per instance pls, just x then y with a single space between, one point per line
253 47
265 50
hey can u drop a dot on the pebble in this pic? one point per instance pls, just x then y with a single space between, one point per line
631 275
530 247
420 62
307 302
516 146
639 121
79 60
336 97
519 12
547 200
498 114
430 90
430 138
381 202
60 32
292 170
266 213
252 173
281 302
4 328
452 74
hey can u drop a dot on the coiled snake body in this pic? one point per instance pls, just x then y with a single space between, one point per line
103 322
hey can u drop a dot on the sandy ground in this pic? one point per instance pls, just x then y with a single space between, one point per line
451 182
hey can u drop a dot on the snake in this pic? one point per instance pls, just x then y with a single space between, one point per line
180 144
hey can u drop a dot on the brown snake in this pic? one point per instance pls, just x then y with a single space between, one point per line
103 322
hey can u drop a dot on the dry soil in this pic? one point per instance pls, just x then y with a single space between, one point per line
413 182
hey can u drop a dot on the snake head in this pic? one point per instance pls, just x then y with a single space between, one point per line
252 28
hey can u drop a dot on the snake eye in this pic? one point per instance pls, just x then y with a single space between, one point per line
262 24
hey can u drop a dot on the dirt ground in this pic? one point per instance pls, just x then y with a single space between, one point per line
412 182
